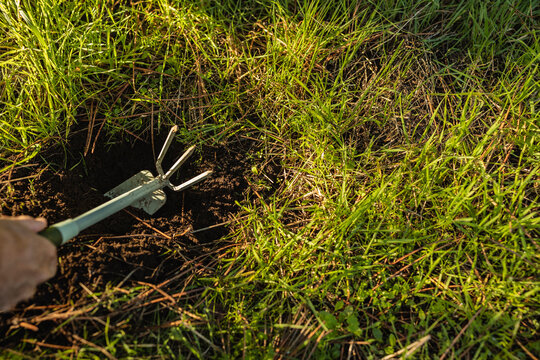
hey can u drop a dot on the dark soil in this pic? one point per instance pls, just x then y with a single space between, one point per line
130 246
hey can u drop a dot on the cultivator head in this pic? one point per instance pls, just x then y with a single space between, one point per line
157 198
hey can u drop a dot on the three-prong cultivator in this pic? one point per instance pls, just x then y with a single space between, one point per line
143 191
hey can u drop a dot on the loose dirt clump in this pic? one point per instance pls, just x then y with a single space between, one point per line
129 247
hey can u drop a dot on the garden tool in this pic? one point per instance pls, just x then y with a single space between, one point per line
143 191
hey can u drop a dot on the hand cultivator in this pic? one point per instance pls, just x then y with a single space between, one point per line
143 191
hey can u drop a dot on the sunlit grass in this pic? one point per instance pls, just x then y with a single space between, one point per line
405 214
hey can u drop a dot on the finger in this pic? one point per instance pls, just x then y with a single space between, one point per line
47 259
32 224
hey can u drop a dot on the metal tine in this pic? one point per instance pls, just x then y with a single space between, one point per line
191 182
180 161
164 149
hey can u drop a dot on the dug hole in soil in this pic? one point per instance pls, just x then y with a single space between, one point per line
131 245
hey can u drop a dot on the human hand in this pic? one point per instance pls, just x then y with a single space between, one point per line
26 259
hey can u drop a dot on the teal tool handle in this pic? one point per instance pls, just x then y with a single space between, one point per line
65 230
53 234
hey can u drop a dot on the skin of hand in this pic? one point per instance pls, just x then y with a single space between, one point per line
26 259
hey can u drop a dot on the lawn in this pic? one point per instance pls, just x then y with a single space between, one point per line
375 188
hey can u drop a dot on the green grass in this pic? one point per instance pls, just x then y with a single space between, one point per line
407 134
